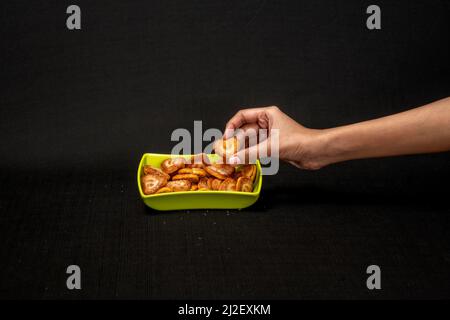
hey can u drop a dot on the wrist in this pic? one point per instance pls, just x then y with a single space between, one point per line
313 149
324 148
309 149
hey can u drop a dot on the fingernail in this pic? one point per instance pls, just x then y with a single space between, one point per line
228 133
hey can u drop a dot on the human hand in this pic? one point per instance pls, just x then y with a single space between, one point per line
296 144
424 129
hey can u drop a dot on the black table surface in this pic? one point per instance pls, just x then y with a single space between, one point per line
79 108
311 235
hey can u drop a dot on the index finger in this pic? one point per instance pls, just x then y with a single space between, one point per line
244 116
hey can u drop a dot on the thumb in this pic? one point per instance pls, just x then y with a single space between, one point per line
251 154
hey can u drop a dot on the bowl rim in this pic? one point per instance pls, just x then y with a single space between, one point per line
256 190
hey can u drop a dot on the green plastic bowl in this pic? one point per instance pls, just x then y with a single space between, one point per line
196 199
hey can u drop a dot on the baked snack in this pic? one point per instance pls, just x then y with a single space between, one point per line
215 184
226 148
198 161
228 184
220 171
244 184
171 165
152 183
164 190
179 185
148 169
204 184
247 171
177 175
190 177
197 171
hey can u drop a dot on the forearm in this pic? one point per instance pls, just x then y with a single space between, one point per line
422 130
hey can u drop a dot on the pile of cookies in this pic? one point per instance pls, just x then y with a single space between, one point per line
178 174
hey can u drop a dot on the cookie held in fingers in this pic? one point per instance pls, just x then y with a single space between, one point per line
152 183
226 148
171 165
244 184
179 185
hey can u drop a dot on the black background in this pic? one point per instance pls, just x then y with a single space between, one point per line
78 109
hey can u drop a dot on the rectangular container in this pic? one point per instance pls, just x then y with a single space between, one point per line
196 199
